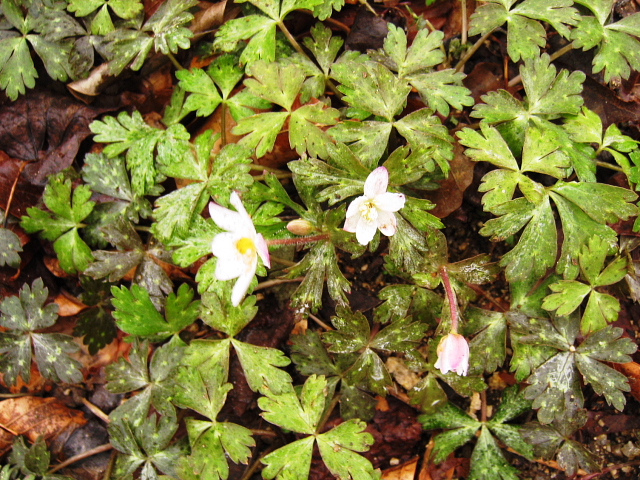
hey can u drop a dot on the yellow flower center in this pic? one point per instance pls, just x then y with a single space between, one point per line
245 244
369 211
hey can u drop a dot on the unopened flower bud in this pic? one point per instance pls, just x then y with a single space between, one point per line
453 354
300 226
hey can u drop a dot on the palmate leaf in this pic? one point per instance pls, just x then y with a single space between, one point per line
24 315
525 32
156 379
147 446
10 247
165 31
137 315
132 134
302 414
202 387
61 226
549 95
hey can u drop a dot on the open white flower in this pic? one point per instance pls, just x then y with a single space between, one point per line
374 210
238 248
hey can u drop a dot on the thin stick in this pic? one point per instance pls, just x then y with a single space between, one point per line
609 166
294 43
464 39
264 433
483 406
319 322
11 193
96 411
81 456
254 466
277 281
472 50
326 416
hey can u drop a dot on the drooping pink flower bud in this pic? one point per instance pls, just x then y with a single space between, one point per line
453 354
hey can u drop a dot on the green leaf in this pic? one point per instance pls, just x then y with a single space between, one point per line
304 131
372 87
604 203
352 332
131 133
525 33
297 414
428 395
23 315
488 462
10 247
136 314
488 347
260 29
338 446
17 70
259 365
567 297
157 379
148 446
290 462
219 312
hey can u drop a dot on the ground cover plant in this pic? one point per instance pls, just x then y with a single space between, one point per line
231 249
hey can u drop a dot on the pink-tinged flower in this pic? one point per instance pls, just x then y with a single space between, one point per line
238 248
453 354
374 210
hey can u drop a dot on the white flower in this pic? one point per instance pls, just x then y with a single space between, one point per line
238 248
453 354
374 210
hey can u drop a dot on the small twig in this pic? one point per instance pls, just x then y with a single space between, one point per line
277 281
96 411
11 193
463 39
472 50
254 466
109 469
483 406
264 433
299 240
609 469
319 322
81 456
369 7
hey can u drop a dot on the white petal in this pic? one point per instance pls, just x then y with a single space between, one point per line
228 268
224 244
365 231
351 223
241 287
226 219
376 182
263 250
354 207
390 202
246 218
387 223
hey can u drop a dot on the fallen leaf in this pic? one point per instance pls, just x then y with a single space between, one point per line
35 416
69 305
449 196
45 129
25 194
406 471
632 371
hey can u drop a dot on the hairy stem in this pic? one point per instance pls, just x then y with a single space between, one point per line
451 297
298 241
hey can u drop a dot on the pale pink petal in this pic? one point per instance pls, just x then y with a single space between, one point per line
263 250
354 207
390 202
241 287
365 231
223 217
453 354
351 223
387 223
376 182
246 218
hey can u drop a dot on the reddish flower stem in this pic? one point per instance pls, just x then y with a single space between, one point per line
451 296
298 241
